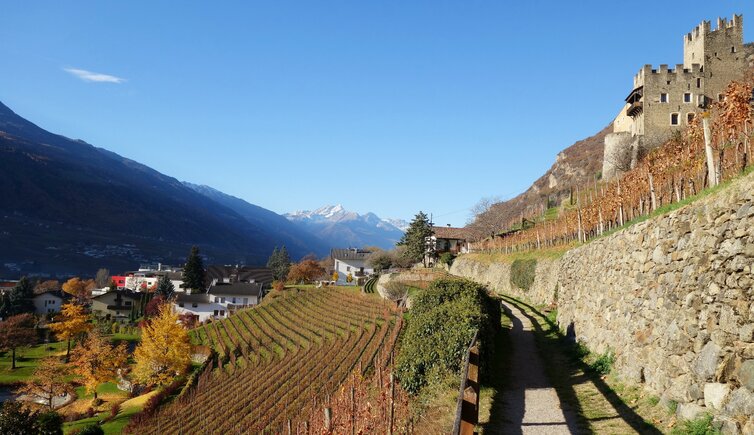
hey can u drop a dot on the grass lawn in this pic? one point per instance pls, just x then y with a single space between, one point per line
116 425
27 359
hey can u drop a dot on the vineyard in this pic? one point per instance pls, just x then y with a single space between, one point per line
371 284
671 173
284 361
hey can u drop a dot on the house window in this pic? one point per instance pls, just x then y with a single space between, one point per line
687 97
698 83
673 119
194 305
222 312
348 268
663 98
689 118
234 300
180 304
128 303
246 301
215 312
222 300
217 299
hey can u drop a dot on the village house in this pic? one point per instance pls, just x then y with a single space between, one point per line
229 274
351 262
221 300
116 305
48 301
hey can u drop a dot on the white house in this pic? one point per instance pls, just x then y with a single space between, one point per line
48 302
220 300
351 262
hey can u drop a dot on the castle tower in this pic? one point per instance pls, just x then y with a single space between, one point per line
666 99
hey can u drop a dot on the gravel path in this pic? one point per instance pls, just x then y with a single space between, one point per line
530 403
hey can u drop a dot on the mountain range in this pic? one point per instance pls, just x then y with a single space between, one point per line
345 228
69 208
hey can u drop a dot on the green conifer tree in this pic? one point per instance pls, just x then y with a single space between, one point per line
193 271
415 238
279 263
165 287
20 298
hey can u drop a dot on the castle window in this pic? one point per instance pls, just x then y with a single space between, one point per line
733 49
720 97
689 118
698 83
663 98
673 119
687 97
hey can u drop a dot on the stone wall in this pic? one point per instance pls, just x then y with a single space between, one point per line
496 276
670 297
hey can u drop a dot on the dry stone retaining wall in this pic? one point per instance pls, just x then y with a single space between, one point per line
672 297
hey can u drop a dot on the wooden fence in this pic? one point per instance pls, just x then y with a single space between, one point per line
467 409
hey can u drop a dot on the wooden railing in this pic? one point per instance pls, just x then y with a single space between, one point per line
467 409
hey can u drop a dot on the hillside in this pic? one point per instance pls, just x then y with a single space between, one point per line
576 165
70 208
283 358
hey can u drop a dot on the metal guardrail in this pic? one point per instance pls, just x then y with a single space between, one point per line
467 409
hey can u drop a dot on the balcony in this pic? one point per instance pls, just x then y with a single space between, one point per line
635 109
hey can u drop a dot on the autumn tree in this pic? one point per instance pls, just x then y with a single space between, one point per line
279 263
50 285
415 238
81 289
164 351
165 287
72 321
154 306
305 271
20 299
17 331
193 271
96 360
50 380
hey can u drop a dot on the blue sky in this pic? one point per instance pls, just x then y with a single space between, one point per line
389 106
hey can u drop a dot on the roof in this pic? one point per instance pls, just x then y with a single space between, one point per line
236 289
193 297
349 254
240 273
451 233
124 293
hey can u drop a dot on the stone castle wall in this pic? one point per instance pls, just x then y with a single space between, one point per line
672 297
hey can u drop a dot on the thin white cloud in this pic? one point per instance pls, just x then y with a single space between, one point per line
89 76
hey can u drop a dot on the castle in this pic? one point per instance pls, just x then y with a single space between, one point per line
665 100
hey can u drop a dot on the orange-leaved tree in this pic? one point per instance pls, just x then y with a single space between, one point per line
81 289
164 351
72 321
50 380
305 271
97 361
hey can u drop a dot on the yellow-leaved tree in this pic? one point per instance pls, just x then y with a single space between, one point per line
72 321
164 351
97 361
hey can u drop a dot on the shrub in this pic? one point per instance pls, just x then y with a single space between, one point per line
50 423
114 409
522 273
278 285
442 323
92 429
604 363
447 258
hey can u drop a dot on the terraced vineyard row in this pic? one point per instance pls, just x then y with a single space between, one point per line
287 355
371 285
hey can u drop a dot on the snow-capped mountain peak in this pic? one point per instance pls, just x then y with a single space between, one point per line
341 227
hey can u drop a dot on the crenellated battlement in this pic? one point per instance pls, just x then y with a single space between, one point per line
664 72
705 28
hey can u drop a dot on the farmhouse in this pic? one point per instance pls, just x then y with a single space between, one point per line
450 239
229 274
220 300
351 262
116 305
48 301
